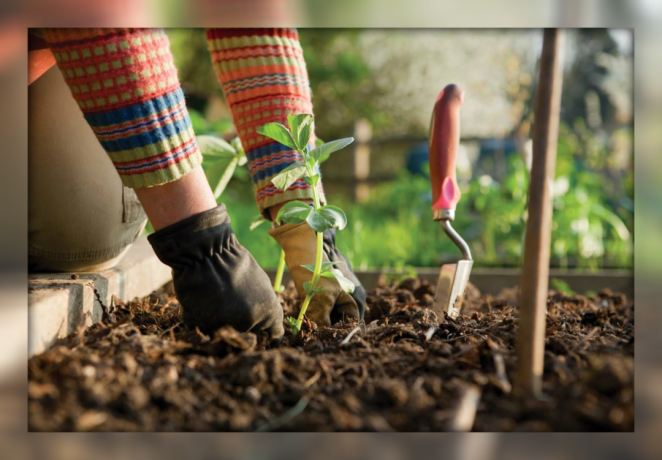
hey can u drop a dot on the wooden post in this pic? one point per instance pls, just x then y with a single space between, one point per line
535 269
361 164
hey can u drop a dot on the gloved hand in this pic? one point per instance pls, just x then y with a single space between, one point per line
217 281
334 255
331 304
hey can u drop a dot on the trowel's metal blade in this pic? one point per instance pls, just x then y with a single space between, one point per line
452 282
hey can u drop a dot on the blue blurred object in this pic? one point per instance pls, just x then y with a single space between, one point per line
417 159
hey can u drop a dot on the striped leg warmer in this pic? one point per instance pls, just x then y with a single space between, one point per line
264 79
125 82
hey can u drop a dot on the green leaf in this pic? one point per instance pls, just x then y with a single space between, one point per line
318 222
325 266
219 174
301 126
335 215
293 212
293 325
345 284
322 152
328 265
215 147
236 143
318 142
289 175
312 181
279 133
255 222
307 286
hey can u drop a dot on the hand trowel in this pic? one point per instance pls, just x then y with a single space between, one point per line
442 153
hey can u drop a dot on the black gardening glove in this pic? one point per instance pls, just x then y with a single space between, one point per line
334 255
216 279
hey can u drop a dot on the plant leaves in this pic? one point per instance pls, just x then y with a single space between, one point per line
236 143
335 215
318 222
329 265
301 126
293 325
215 147
307 286
255 222
318 142
219 173
289 175
325 266
293 212
345 284
322 152
279 133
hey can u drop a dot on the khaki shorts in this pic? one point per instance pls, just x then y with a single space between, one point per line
80 217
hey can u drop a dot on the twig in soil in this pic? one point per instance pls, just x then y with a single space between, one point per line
372 325
501 373
312 380
583 343
286 417
167 331
430 332
327 372
466 411
466 350
350 335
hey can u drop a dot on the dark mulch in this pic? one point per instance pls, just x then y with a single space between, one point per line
142 369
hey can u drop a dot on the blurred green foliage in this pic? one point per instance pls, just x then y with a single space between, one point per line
395 228
593 191
342 83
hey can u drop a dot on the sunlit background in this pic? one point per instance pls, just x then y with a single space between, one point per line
644 15
380 86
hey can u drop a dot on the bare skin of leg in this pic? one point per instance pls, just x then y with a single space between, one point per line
175 201
170 203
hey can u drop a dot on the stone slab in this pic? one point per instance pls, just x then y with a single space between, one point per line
57 303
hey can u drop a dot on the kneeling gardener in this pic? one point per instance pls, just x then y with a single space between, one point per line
85 211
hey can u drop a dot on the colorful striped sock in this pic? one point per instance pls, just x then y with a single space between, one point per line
125 82
264 79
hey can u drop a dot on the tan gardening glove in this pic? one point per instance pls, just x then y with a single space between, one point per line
330 305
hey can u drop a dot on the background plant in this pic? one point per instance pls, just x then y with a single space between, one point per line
391 78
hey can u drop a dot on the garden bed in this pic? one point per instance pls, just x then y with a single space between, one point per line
142 369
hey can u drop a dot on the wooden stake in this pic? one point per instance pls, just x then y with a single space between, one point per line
361 164
535 269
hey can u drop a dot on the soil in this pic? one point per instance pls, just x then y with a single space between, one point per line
143 369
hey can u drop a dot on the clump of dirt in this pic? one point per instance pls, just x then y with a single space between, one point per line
143 369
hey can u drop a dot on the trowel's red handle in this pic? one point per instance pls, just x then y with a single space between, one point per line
444 144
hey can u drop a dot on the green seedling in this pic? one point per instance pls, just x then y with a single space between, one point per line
319 218
255 222
220 159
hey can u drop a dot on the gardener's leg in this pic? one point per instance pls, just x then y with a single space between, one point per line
80 217
125 82
264 80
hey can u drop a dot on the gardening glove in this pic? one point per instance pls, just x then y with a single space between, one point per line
300 245
334 255
217 281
